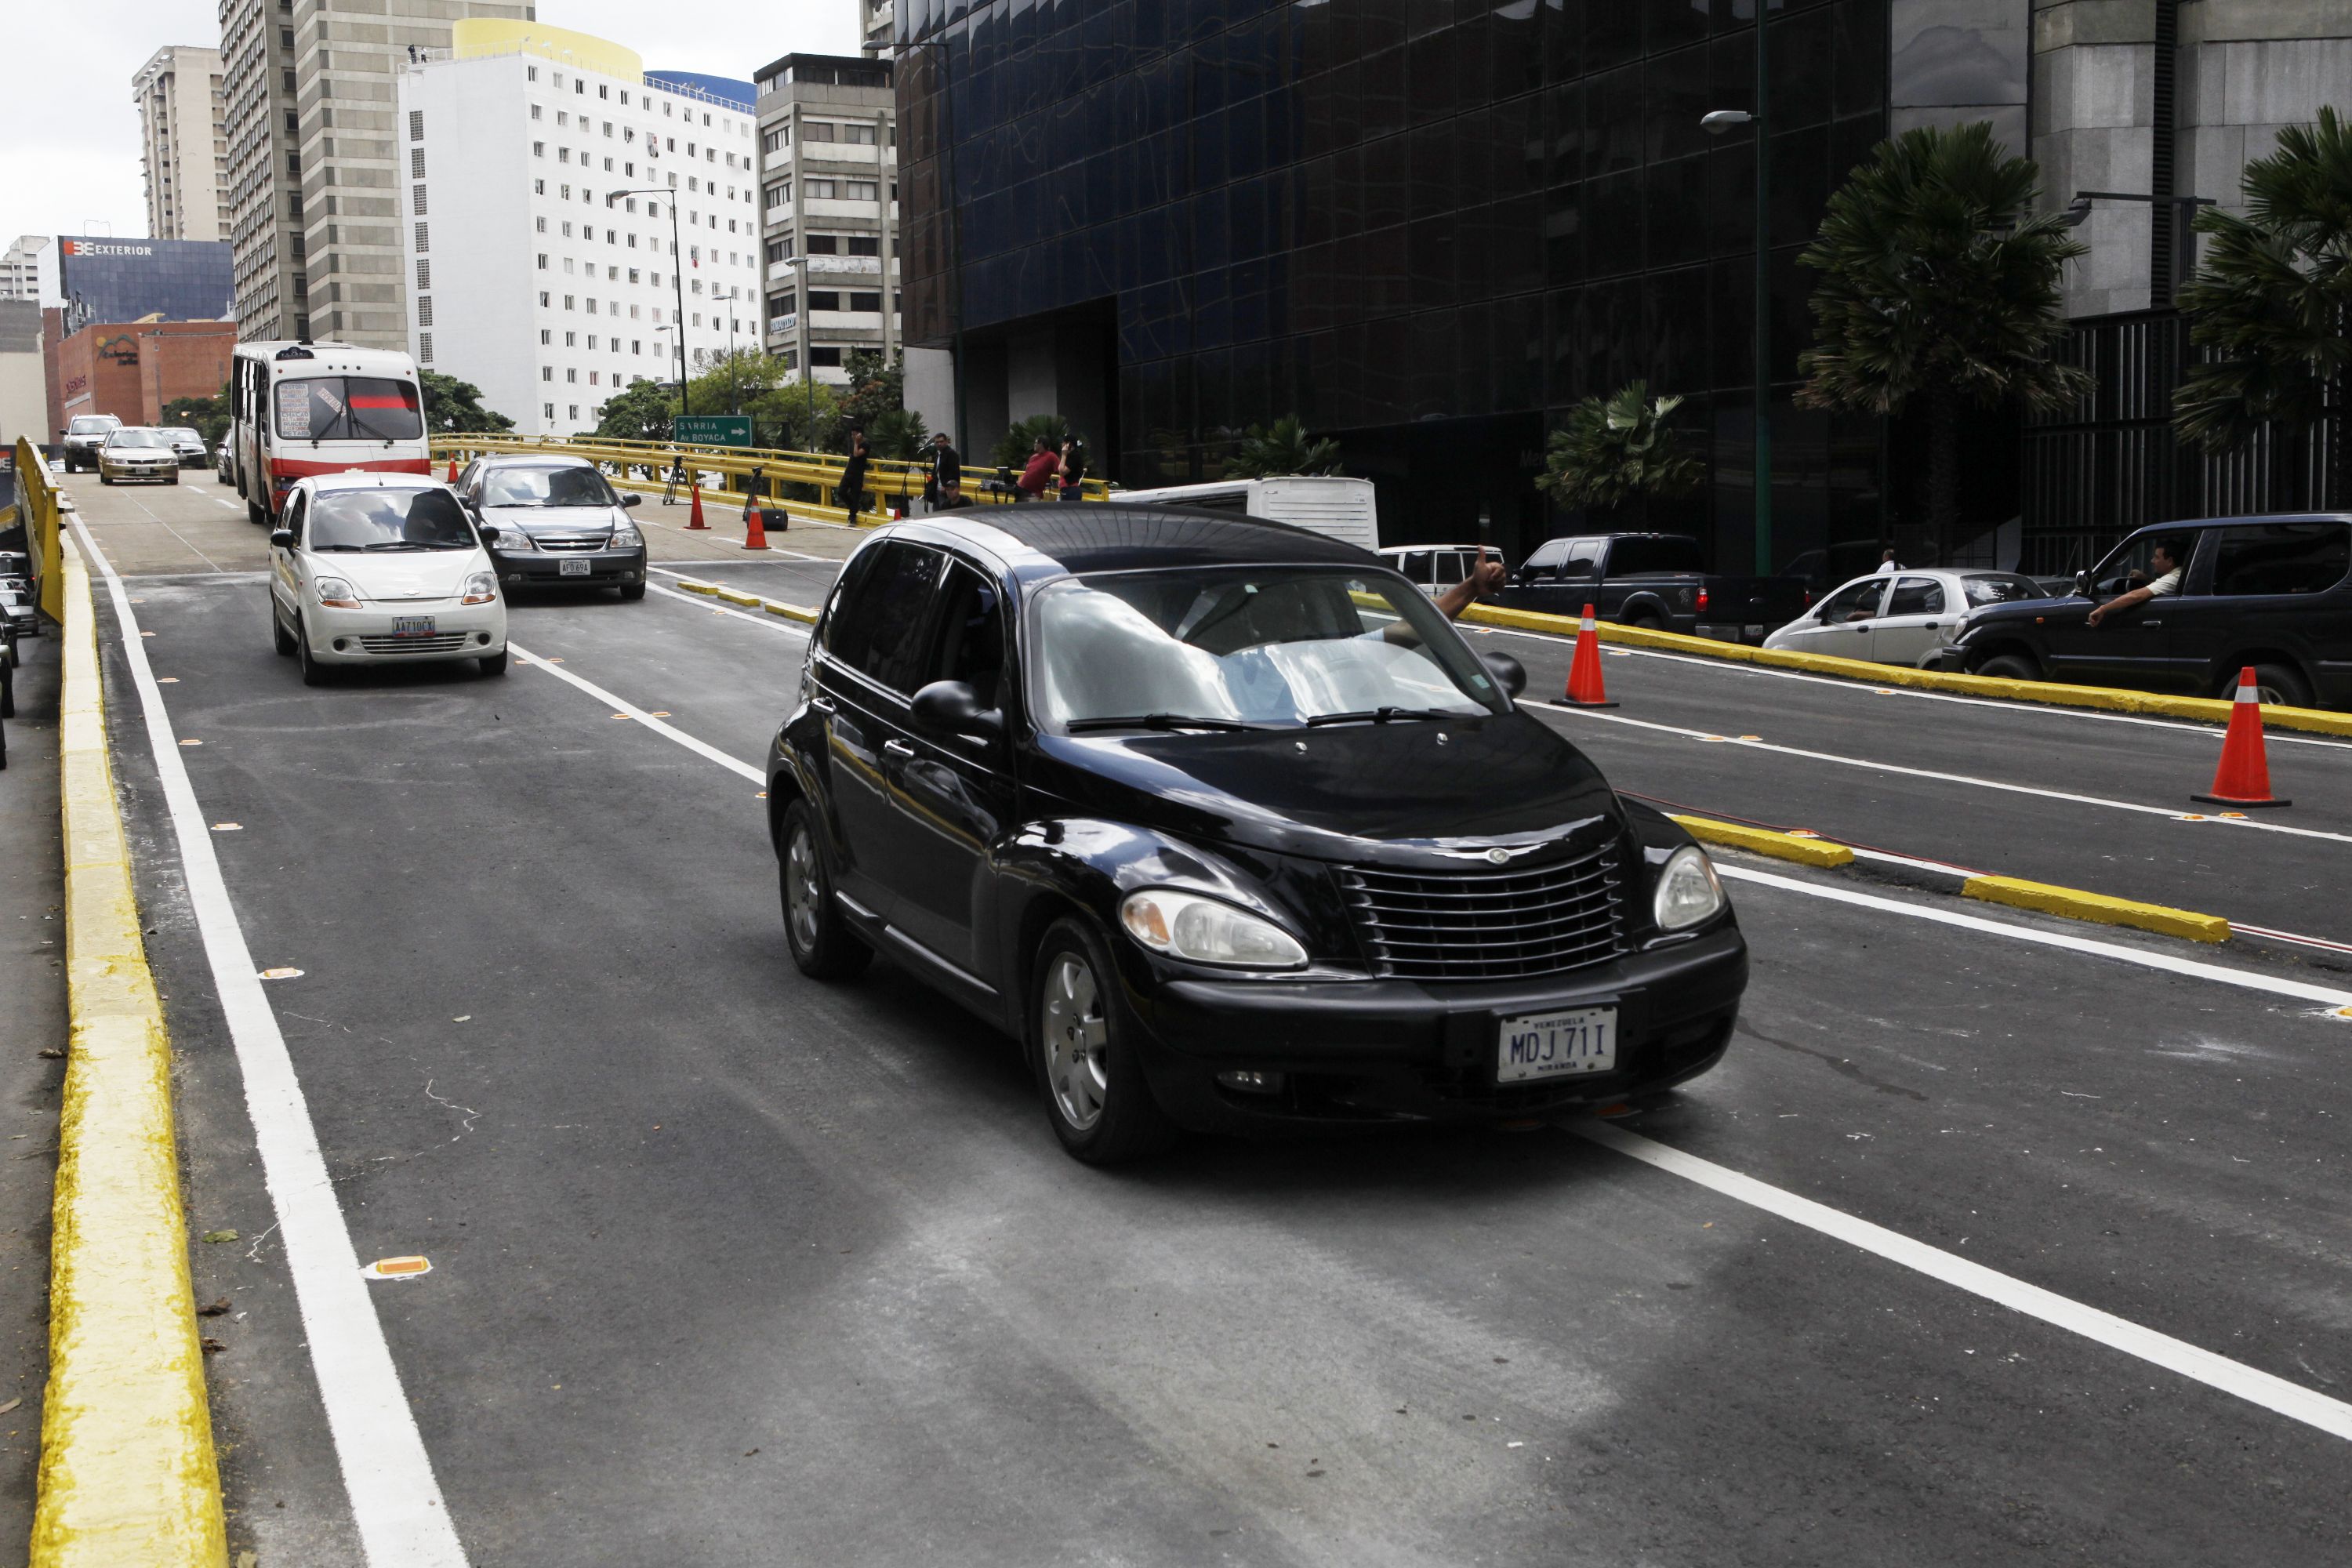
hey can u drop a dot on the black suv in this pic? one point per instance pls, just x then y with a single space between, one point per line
1225 822
2274 592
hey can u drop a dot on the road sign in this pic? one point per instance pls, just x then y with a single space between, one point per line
711 430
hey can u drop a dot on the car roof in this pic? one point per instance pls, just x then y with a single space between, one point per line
533 460
373 480
1109 536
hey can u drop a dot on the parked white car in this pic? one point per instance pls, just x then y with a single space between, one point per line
381 568
1433 568
1902 617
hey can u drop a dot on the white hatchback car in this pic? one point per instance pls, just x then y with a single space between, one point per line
1901 618
377 568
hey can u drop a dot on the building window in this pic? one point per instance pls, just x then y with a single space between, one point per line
825 358
425 309
547 410
818 190
417 163
547 372
774 141
539 148
546 336
571 375
572 340
417 197
862 190
424 240
818 131
575 411
416 125
781 304
424 274
865 245
542 261
860 135
425 348
867 302
540 223
542 299
534 111
824 245
780 249
824 299
538 187
779 195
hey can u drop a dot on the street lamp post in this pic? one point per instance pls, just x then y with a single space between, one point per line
677 260
1716 123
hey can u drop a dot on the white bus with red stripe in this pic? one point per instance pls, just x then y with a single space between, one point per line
320 409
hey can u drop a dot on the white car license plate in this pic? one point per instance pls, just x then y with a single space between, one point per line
572 568
1556 1045
412 626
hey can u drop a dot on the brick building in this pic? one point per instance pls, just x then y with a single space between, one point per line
131 369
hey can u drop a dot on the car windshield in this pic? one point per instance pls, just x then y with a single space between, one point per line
139 438
389 520
93 425
567 486
1231 648
349 408
184 433
2000 588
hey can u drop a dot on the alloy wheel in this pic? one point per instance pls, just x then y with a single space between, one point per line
803 898
1074 1034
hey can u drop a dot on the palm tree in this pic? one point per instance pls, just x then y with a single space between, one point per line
1283 447
1939 281
1011 449
1613 450
2271 301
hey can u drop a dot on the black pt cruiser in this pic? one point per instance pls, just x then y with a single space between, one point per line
1229 827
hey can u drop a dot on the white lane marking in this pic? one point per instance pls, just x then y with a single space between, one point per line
1860 688
2249 822
702 601
701 748
2168 962
2291 1400
396 1502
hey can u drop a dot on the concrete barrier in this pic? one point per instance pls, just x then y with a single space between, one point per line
127 1468
1765 841
2075 904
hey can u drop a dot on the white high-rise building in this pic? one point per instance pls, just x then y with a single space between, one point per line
183 145
532 274
20 268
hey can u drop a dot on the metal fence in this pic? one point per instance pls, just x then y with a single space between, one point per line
2108 464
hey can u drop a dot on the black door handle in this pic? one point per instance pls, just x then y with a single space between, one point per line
821 704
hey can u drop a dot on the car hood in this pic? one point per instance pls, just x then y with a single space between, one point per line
1374 793
404 574
2023 613
551 519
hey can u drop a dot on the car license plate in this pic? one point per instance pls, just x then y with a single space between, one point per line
1556 1045
572 568
412 626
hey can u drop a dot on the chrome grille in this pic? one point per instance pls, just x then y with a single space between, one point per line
1487 925
440 642
595 541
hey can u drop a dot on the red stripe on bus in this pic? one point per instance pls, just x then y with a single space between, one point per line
296 468
379 402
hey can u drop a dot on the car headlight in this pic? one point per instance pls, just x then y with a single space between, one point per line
1206 930
336 593
1687 892
481 588
513 541
626 536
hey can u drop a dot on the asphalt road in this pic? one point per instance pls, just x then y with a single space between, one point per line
732 1267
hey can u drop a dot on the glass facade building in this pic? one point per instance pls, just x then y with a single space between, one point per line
1427 226
106 279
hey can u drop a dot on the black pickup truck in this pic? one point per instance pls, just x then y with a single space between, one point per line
1654 580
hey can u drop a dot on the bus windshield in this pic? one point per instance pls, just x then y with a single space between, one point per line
348 408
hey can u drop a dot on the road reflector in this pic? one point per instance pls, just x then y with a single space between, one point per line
228 828
191 743
661 713
397 1268
167 681
281 975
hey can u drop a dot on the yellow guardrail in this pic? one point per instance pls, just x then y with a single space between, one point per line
37 504
647 466
127 1472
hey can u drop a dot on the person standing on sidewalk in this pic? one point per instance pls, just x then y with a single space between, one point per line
1038 477
852 476
946 471
1073 471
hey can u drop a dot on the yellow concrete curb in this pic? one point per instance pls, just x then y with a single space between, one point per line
790 612
2114 699
1764 841
127 1469
735 596
2076 904
749 601
689 585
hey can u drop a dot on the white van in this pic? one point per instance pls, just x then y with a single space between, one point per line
1325 503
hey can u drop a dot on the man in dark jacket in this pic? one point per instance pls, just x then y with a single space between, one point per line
945 472
852 476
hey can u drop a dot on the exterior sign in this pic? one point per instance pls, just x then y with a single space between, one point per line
711 430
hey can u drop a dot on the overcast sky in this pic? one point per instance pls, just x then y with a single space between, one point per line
70 137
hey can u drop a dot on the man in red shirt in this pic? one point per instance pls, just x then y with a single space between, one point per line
1038 477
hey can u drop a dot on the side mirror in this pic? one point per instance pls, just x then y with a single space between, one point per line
281 539
2082 584
488 531
952 707
1508 672
632 499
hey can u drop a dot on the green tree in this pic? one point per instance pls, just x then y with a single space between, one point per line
1939 282
640 412
1011 449
2273 301
898 432
454 405
1615 448
1282 447
208 416
876 386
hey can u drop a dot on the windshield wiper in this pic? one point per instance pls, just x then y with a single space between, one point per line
1382 715
1159 722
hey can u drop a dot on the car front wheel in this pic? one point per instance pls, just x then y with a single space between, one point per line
494 663
1083 1043
2009 667
313 672
822 943
2279 685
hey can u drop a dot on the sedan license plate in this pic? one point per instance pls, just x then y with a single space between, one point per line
1556 1045
412 626
572 568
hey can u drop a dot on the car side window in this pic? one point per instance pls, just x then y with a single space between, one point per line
1548 554
1584 559
1450 567
296 515
1855 602
972 634
1916 597
877 626
1414 566
2282 558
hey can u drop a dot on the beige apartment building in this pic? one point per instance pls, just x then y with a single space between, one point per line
183 142
263 202
829 210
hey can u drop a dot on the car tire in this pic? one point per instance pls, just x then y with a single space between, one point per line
104 477
823 945
1646 622
2009 667
1081 1046
2281 685
176 477
494 663
313 672
631 593
280 638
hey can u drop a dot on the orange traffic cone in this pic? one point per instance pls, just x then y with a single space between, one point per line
1584 687
453 467
755 527
2243 779
696 520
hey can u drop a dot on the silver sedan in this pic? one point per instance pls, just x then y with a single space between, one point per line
1901 618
